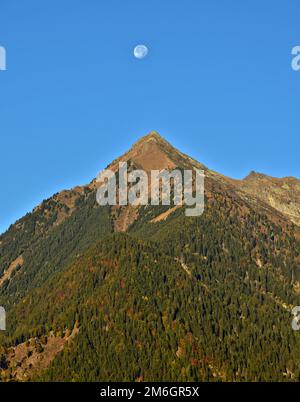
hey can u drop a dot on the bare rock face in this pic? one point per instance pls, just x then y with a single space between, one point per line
282 194
153 152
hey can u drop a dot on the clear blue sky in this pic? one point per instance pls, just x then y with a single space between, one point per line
217 83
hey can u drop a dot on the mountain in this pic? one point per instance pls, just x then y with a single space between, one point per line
281 194
148 294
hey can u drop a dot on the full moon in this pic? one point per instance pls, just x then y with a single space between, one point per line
140 51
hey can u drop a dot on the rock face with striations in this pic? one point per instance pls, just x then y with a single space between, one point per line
281 194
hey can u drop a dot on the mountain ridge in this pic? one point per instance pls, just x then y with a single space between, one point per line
152 151
170 298
163 155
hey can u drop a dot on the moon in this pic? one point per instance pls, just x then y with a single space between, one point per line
140 51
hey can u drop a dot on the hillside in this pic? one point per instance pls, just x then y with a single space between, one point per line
170 298
281 194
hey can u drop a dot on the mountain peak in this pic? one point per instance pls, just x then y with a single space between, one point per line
254 175
153 136
282 194
153 152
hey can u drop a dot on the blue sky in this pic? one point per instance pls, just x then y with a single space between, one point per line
217 83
